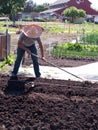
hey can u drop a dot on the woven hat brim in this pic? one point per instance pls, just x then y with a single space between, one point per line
32 31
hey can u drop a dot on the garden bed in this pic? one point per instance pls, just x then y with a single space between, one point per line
48 104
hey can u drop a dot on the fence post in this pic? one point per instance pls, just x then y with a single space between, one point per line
4 46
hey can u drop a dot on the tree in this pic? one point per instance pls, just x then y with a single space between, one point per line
10 7
82 13
40 8
73 13
29 5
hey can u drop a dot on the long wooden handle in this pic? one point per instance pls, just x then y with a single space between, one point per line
59 67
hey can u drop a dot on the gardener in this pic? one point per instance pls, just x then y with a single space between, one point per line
26 42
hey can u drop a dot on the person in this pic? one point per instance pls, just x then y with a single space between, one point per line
26 43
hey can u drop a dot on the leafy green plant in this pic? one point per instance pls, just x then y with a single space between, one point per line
76 46
69 46
75 50
9 60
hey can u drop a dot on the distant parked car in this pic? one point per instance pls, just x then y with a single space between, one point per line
96 20
90 19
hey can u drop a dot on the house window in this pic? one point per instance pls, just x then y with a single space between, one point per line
78 1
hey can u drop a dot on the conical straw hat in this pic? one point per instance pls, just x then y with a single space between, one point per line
33 31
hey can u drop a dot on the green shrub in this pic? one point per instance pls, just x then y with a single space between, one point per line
27 19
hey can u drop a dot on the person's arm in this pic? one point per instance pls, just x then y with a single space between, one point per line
41 48
23 47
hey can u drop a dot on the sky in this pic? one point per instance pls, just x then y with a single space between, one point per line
94 2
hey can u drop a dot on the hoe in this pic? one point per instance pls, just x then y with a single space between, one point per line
15 83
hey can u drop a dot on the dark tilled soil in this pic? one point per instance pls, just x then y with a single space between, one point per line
47 104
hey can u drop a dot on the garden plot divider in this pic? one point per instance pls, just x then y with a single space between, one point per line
4 46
